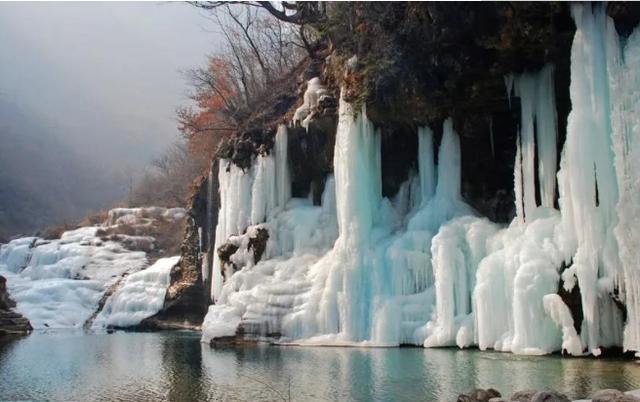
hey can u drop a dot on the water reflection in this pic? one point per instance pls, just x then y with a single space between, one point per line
176 367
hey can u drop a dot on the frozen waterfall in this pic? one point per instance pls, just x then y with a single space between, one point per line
424 268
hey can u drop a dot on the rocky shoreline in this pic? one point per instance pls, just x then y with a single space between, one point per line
492 395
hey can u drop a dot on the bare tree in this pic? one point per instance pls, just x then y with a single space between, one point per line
166 182
293 12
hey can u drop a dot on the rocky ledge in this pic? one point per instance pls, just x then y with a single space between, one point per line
11 322
492 395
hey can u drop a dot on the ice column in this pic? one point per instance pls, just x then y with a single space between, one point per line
546 135
525 87
344 279
283 180
625 91
538 129
263 191
234 215
588 178
426 164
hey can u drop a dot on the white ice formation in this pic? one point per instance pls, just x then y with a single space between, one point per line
141 295
423 268
313 94
60 283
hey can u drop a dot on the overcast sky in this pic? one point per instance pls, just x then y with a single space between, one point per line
103 76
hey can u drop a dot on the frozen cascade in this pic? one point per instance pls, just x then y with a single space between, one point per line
59 283
456 249
141 296
340 306
249 198
511 281
312 290
423 268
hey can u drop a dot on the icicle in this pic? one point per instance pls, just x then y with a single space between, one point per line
449 163
283 180
425 163
517 182
234 215
508 83
546 135
263 191
525 88
538 133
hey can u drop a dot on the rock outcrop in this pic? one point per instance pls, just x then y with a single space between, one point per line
186 300
11 322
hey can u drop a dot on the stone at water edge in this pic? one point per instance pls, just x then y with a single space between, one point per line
523 396
549 396
479 395
606 395
612 395
11 322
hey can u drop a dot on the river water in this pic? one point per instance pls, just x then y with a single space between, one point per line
175 366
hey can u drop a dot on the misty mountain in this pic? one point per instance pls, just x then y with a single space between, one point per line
42 180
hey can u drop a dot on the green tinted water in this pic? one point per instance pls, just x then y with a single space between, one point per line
70 366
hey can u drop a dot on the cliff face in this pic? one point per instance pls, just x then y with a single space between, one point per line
186 300
11 322
436 83
420 63
416 64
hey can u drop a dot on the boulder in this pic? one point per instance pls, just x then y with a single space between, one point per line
549 396
612 395
258 243
523 396
479 395
11 322
606 395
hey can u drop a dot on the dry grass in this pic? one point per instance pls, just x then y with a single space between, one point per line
55 232
167 233
94 218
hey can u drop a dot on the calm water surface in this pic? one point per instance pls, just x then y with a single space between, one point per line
71 366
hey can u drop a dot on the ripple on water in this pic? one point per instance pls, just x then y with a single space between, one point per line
63 366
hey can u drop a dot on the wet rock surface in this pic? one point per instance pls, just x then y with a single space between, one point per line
186 300
492 395
479 395
11 322
612 395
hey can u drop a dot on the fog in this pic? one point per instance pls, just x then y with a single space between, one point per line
88 93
